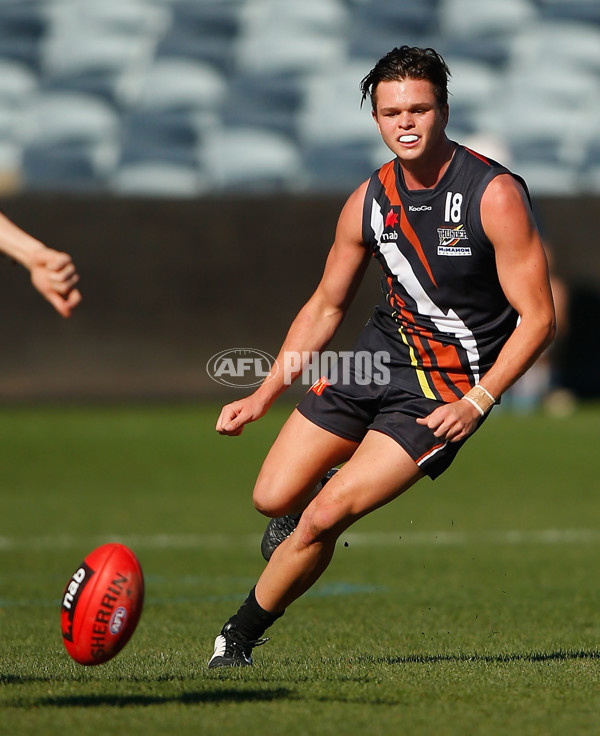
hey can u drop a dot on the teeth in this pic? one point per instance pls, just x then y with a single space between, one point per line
409 138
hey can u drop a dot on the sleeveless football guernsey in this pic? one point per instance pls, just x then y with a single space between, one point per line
444 315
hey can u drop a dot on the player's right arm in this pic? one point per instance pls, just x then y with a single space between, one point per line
317 321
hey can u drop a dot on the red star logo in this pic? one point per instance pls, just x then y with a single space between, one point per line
391 219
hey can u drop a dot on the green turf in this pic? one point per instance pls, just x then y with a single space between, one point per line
469 606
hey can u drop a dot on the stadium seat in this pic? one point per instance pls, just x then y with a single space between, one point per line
75 49
271 51
251 159
129 17
181 83
158 179
209 17
10 124
331 110
591 158
547 159
11 154
373 45
522 114
179 98
460 19
592 180
343 167
110 85
325 18
539 98
68 166
545 179
100 48
380 25
105 64
560 81
549 42
204 31
23 25
17 82
268 100
582 11
69 118
592 152
489 48
550 149
305 37
471 84
167 135
487 145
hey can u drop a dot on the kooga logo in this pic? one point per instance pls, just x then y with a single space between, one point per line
422 208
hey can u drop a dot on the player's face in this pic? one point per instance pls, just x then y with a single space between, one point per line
409 118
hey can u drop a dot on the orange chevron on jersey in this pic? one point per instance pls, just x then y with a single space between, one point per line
387 176
447 374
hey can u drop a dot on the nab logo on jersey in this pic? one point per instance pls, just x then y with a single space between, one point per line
391 219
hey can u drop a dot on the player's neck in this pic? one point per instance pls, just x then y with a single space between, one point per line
427 172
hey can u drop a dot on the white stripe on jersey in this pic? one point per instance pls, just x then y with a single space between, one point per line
450 323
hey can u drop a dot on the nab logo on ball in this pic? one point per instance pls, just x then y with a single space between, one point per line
102 604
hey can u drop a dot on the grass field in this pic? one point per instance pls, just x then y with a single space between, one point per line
469 606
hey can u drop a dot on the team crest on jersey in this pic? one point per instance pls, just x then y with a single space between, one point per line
450 241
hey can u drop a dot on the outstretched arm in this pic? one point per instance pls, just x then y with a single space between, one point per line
52 272
316 322
523 273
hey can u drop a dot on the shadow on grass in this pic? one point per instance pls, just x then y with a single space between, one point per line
560 655
192 698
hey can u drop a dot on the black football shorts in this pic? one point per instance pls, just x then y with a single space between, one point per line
349 410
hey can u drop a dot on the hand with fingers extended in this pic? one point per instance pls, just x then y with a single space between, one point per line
54 275
234 417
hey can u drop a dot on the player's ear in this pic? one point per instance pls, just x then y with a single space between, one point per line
374 114
445 114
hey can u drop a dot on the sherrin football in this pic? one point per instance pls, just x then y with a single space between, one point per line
102 604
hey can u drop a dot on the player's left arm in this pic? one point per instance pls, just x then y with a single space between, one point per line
52 272
523 274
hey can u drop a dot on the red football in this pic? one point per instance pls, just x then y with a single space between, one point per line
102 604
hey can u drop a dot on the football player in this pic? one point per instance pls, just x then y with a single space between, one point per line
467 309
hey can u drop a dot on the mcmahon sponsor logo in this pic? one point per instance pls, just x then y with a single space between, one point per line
453 250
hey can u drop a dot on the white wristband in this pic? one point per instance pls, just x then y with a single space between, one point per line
475 404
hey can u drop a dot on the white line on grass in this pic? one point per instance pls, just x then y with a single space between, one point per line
509 537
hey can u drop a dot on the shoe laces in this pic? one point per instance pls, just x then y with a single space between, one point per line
233 637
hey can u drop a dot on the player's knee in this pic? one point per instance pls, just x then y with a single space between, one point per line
270 498
321 524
